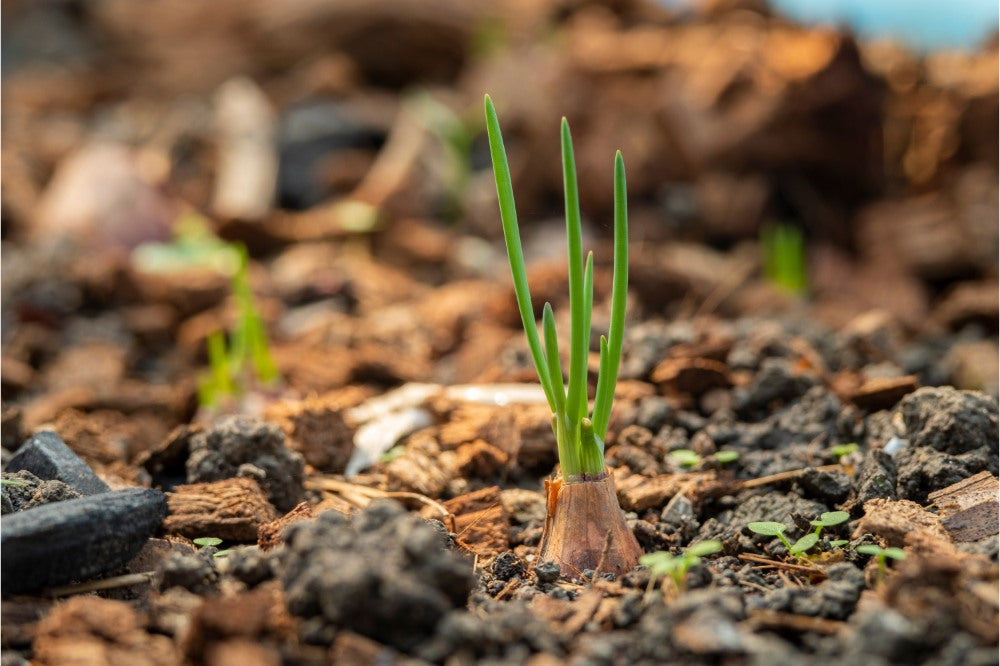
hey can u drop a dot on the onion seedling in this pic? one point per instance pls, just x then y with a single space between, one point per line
881 554
584 525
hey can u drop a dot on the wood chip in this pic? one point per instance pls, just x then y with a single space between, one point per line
691 376
567 618
969 510
638 493
481 521
231 509
769 619
883 392
894 520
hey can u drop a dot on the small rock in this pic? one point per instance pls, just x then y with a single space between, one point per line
194 572
46 456
77 539
546 572
249 447
26 491
508 565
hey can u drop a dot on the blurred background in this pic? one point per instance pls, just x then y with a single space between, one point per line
823 160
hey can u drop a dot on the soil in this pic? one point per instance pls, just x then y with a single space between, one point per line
383 501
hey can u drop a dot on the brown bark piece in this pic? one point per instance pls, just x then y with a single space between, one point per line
638 493
969 510
894 520
269 534
883 392
481 521
479 459
89 631
318 427
247 617
241 652
231 509
351 648
422 468
691 376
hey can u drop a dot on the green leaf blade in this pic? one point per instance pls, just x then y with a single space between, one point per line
574 251
515 254
767 528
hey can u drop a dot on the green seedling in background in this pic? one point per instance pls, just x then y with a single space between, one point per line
456 134
580 439
829 519
797 549
246 357
675 567
783 256
840 450
194 246
688 458
12 482
881 555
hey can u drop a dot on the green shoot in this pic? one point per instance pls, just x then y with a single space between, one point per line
829 519
881 555
783 256
688 458
211 542
769 528
675 567
838 543
838 451
579 437
230 363
13 482
685 457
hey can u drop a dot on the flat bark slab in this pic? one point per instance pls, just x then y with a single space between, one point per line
231 509
481 521
638 493
894 520
969 510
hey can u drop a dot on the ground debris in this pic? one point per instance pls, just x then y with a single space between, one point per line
968 509
231 509
91 631
894 520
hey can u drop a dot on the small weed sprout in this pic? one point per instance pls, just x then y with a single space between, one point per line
838 451
675 567
688 459
230 364
881 555
829 519
783 255
211 542
798 549
13 482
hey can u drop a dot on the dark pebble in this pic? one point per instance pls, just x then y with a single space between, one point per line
46 456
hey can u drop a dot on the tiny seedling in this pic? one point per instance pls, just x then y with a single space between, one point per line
688 458
838 451
246 359
829 519
783 255
12 482
798 549
881 555
675 567
211 542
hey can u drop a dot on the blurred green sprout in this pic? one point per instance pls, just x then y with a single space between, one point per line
783 255
675 567
245 358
